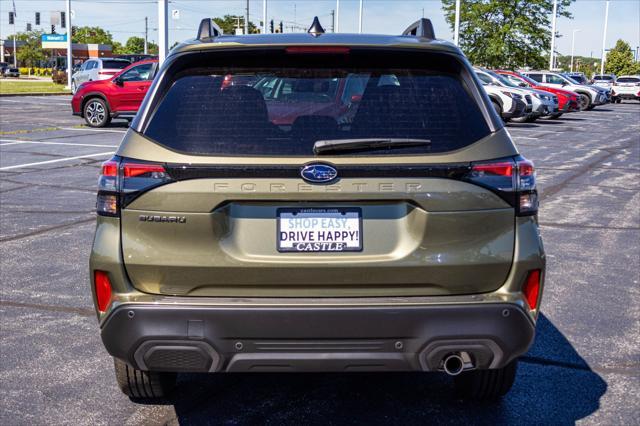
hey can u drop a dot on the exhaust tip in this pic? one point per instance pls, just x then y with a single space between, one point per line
453 364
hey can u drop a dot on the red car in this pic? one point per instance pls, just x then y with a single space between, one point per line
567 100
118 97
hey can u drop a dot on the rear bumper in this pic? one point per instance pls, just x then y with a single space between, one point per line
242 337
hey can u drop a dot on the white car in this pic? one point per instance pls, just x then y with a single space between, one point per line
507 104
590 96
97 69
605 81
626 87
542 103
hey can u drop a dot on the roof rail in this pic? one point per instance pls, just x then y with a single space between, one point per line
421 28
208 29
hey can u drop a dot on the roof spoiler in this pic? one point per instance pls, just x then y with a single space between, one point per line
421 28
208 29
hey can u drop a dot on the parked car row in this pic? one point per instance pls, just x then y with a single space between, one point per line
528 95
623 87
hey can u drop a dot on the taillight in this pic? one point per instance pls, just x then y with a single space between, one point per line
122 180
103 290
531 288
514 180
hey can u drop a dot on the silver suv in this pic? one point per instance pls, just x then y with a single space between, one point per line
97 69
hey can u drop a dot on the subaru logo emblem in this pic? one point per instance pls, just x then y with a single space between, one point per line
318 173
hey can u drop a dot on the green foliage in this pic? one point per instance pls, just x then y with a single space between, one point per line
31 53
136 45
229 23
92 35
38 72
619 61
505 33
588 66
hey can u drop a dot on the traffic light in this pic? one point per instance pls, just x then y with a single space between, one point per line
63 20
53 29
12 22
37 18
271 26
281 27
28 26
73 31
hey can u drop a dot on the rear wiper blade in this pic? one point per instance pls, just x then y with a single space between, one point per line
341 145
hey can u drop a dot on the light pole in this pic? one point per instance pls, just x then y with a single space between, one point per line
69 45
553 33
456 31
146 35
604 37
163 30
264 16
573 44
360 18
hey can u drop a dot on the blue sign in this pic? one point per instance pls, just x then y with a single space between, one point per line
54 37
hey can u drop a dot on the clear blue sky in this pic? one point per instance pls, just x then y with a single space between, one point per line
124 18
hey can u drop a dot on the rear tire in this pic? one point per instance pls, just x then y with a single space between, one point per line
497 107
143 384
96 113
486 385
584 102
552 116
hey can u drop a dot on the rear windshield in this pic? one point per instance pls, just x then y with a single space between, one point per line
603 77
628 80
117 65
285 111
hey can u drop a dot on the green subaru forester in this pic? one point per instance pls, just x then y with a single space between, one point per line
317 202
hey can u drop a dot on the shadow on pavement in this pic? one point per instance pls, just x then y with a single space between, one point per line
554 386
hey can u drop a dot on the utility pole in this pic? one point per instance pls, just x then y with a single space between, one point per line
333 21
553 34
264 16
146 35
69 45
360 18
15 52
246 20
573 44
604 37
456 30
337 15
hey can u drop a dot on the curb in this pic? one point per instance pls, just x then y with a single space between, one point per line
2 95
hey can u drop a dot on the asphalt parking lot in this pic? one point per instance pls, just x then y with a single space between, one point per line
584 365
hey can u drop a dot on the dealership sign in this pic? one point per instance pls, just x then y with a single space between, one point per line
54 41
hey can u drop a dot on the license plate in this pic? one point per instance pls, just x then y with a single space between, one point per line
319 230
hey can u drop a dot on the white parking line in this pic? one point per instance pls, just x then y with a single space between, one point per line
77 129
16 142
35 103
19 166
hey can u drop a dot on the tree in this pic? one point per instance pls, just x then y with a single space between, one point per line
31 53
92 35
136 45
505 33
619 61
229 23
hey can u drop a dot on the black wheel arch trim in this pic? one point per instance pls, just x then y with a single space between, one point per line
92 95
